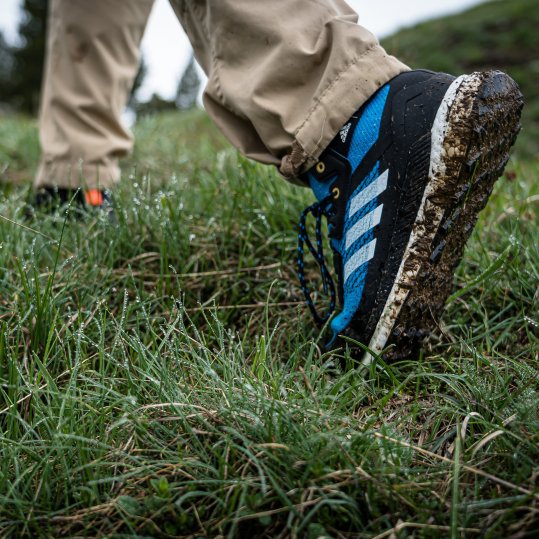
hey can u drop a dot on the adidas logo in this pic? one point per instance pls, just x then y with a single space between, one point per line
344 131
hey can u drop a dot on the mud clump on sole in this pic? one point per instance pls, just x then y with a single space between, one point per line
483 125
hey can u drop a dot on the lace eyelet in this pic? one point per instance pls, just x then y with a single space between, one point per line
320 167
336 193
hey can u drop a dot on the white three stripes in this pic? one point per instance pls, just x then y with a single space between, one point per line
359 258
363 225
366 252
371 191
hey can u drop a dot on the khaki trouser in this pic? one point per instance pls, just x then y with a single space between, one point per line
283 77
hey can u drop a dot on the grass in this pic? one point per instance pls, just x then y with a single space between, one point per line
163 378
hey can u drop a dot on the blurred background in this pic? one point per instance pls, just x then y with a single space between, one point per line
447 35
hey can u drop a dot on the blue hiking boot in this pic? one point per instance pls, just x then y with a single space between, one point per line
401 186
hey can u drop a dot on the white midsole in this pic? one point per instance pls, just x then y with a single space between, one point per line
403 280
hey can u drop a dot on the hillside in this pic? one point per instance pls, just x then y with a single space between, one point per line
500 34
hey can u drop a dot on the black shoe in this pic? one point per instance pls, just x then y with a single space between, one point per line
401 186
80 203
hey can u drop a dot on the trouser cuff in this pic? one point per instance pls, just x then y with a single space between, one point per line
349 90
75 174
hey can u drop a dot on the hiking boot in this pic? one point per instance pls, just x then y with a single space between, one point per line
56 199
401 186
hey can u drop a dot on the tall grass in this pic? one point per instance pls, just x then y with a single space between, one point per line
162 378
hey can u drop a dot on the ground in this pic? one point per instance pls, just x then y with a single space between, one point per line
163 378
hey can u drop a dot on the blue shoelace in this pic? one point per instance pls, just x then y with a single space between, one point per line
318 210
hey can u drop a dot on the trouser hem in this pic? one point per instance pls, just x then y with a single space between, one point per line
72 175
350 89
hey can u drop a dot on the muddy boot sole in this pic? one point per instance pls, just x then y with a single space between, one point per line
476 125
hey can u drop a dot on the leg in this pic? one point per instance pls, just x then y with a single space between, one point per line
284 75
92 60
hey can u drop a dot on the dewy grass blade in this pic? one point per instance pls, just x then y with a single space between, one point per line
496 264
455 493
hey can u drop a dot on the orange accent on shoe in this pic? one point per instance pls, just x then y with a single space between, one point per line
94 197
